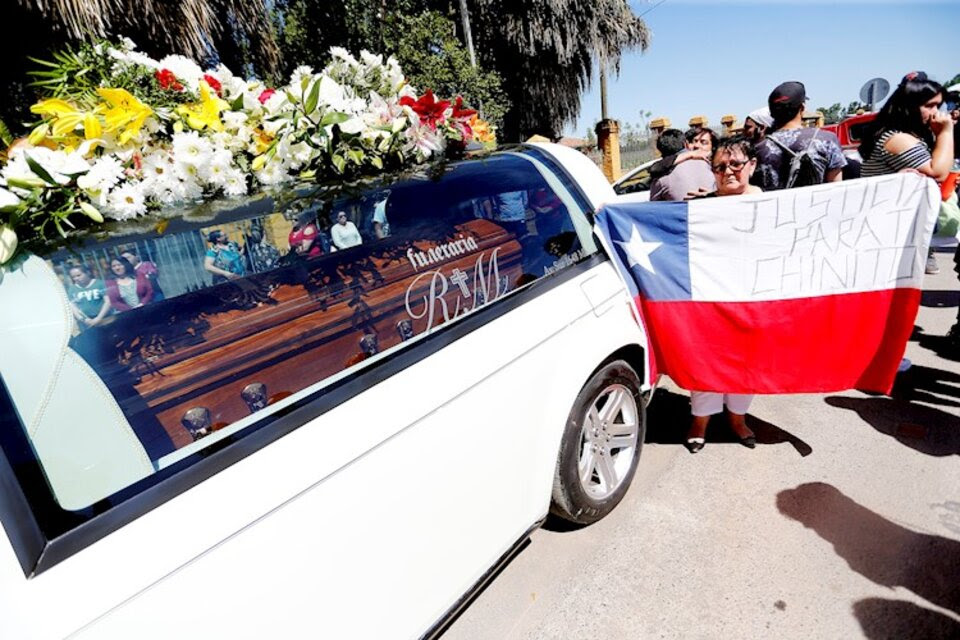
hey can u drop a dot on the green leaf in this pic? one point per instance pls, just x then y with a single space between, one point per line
338 162
39 170
237 104
377 162
313 98
333 117
356 155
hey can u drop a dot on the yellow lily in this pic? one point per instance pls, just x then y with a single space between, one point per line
205 113
126 114
65 117
262 140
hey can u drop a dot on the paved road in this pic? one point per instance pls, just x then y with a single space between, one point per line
843 523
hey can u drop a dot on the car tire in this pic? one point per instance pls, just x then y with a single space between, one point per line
601 445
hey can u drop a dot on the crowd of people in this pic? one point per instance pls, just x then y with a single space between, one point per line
913 131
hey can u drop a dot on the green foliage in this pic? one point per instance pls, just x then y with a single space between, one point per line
75 73
832 114
836 112
424 42
432 57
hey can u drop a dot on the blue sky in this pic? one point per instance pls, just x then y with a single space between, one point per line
715 57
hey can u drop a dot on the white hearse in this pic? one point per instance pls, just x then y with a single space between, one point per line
221 425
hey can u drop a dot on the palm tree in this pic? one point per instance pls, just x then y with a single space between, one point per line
545 50
237 32
191 27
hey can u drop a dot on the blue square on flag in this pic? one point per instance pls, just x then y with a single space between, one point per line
651 241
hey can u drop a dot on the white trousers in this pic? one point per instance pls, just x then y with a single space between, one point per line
707 403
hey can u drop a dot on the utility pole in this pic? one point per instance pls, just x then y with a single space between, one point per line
467 35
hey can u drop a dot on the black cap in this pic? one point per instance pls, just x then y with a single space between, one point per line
212 236
914 76
791 94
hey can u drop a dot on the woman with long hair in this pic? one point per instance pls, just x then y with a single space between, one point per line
127 289
910 132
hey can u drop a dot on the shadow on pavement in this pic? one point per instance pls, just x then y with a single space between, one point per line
882 619
879 550
668 418
925 384
940 345
940 298
924 429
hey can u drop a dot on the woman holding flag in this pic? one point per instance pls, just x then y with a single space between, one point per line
734 161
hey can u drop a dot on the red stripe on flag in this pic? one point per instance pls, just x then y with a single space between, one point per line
806 345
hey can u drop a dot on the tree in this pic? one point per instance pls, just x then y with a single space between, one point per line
234 31
432 57
545 50
832 114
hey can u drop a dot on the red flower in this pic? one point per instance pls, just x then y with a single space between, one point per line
265 95
214 84
427 107
459 111
167 80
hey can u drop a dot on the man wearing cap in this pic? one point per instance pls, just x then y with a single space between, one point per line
755 125
789 138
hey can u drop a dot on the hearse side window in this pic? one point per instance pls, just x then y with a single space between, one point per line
174 341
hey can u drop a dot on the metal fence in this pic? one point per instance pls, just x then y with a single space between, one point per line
633 153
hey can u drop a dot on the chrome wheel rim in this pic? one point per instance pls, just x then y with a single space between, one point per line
608 441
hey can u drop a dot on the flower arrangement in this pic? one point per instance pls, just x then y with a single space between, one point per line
123 134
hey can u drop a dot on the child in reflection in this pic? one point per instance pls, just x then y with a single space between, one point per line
224 259
88 297
147 269
127 290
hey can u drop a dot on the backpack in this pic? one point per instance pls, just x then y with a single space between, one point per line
804 169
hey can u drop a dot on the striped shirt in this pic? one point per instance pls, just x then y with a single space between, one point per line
882 162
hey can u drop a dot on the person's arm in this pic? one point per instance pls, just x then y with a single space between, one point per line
335 236
212 268
144 290
694 154
911 154
104 310
79 315
309 237
833 175
662 167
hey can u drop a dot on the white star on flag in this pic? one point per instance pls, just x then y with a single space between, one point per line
639 251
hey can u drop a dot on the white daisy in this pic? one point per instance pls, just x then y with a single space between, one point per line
103 176
191 148
235 183
126 201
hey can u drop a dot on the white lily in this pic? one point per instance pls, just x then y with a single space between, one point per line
8 243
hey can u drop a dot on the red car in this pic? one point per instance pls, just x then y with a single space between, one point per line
850 131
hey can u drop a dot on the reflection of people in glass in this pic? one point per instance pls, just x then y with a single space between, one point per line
146 269
381 228
224 259
263 255
344 233
511 211
126 290
88 297
305 237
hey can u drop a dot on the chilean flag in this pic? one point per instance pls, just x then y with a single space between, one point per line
812 289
